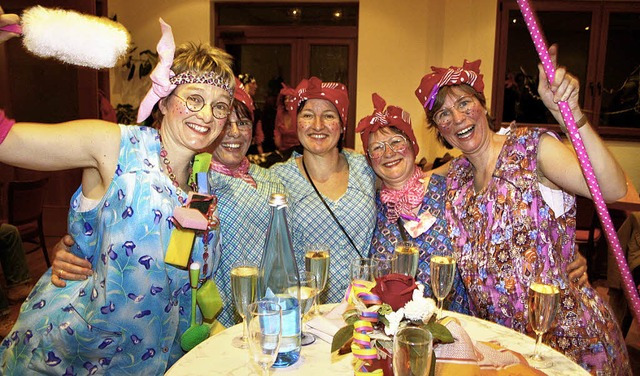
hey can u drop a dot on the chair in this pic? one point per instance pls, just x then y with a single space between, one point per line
588 232
25 200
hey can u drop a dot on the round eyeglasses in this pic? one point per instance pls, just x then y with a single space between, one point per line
195 103
463 105
396 143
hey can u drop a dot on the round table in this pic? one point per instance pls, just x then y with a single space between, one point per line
217 356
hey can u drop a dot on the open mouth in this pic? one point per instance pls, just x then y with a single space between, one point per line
392 163
198 128
231 145
466 132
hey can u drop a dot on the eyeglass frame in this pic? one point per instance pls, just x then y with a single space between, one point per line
456 106
388 143
213 111
241 127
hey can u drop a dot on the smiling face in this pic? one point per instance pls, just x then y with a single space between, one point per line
319 126
394 168
193 130
462 121
233 143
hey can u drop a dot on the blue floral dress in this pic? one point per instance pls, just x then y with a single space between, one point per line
128 317
386 235
311 223
244 218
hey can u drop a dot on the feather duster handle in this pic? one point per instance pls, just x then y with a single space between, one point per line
74 38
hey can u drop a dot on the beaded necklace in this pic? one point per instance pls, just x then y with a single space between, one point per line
179 192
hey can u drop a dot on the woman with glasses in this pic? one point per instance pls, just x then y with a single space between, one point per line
243 190
129 316
331 190
410 203
510 210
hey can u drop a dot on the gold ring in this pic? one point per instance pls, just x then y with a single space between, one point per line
60 273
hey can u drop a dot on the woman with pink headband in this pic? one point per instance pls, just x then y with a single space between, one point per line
510 210
129 316
331 190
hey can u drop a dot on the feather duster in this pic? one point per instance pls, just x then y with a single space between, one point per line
74 38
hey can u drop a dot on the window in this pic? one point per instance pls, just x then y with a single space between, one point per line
599 42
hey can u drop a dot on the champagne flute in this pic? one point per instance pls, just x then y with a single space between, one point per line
412 351
244 280
265 331
383 264
316 261
360 270
305 293
443 270
543 302
408 254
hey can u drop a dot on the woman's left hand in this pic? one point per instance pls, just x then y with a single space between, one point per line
563 88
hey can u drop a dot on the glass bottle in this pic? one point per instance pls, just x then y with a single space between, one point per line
277 264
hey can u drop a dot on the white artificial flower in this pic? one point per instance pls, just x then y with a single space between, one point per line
420 308
394 319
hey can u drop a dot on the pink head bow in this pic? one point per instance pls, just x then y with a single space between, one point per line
468 74
314 88
392 116
161 86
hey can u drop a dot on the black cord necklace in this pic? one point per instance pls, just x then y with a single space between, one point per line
304 166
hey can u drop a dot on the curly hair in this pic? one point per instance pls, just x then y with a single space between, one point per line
199 58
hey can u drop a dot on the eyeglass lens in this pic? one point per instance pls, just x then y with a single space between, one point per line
463 105
195 103
396 143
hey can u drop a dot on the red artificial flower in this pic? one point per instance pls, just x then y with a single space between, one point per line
395 289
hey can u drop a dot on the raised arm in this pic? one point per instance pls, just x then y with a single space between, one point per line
89 144
558 163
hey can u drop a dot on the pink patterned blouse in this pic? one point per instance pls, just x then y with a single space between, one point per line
505 232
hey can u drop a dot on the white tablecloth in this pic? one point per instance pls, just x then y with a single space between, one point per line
216 355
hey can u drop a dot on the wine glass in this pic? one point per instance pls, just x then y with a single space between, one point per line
316 261
443 270
408 254
383 264
360 270
543 301
244 280
304 288
412 351
265 331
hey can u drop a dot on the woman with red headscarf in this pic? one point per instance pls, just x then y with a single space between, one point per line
410 202
331 190
510 209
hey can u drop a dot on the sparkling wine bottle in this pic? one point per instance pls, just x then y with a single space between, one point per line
277 264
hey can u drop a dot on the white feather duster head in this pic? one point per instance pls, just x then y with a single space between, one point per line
74 38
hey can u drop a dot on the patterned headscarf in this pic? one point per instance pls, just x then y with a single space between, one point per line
392 116
242 96
468 74
164 80
314 88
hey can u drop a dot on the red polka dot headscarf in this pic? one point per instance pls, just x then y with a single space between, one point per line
242 96
392 116
314 88
468 74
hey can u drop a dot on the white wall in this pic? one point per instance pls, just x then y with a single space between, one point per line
399 40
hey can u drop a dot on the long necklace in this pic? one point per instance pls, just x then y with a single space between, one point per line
182 196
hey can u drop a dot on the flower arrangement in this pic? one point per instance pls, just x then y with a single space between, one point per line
379 310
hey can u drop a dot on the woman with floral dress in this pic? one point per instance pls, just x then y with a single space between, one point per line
128 317
510 208
410 203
